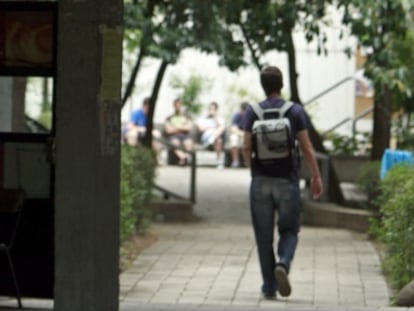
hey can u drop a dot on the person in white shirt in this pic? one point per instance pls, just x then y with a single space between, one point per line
212 128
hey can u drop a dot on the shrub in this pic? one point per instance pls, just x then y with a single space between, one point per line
368 182
348 145
342 144
137 180
396 226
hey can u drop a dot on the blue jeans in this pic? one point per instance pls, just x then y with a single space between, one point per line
269 195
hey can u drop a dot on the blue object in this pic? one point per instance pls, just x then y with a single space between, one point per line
393 157
139 118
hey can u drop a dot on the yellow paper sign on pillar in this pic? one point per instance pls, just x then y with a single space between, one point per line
111 64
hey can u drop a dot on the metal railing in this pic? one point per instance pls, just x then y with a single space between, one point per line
193 191
345 120
348 119
329 89
333 128
359 117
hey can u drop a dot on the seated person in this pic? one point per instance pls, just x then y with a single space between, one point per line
136 128
212 128
237 134
178 129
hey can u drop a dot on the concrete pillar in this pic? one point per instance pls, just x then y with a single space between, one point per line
87 175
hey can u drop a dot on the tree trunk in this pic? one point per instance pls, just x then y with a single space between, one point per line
293 75
382 124
133 77
153 101
142 50
253 53
334 191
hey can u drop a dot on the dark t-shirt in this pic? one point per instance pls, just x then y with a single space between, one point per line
238 120
298 122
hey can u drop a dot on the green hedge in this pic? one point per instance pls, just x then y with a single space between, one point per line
395 227
138 166
369 183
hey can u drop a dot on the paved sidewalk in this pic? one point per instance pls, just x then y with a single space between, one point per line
212 264
217 264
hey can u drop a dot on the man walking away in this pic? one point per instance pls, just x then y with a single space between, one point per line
274 185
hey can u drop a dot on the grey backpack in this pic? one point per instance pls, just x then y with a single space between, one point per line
272 137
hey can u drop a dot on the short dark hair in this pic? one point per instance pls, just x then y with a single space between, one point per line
244 105
146 101
214 104
271 79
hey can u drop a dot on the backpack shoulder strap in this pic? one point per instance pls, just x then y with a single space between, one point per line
285 107
257 110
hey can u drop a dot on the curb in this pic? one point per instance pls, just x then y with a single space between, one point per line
330 215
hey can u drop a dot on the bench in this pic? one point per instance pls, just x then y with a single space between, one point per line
198 147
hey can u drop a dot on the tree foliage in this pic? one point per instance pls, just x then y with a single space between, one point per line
403 102
379 26
269 26
190 91
405 59
162 29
